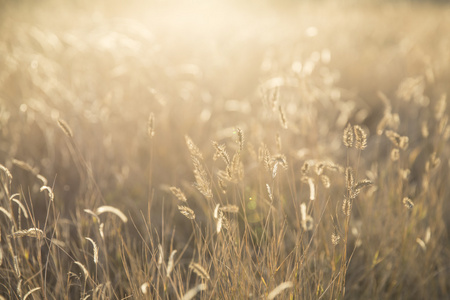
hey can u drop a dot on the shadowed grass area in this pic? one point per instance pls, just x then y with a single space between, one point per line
211 150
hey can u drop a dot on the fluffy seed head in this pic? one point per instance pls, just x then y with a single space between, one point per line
335 239
178 193
6 213
348 136
219 223
312 189
31 232
42 179
216 211
347 207
151 125
403 142
280 288
6 172
360 137
395 154
94 245
221 152
308 223
325 181
16 266
319 168
393 137
201 177
305 168
240 138
194 291
222 185
19 288
30 292
303 210
408 203
24 165
170 263
109 209
283 120
83 268
269 191
274 170
230 209
193 149
100 230
65 128
49 191
362 184
199 270
187 212
145 287
421 244
93 214
349 181
161 255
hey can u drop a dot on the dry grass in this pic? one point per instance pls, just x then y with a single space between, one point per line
283 151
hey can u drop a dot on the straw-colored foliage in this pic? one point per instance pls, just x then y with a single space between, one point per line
224 149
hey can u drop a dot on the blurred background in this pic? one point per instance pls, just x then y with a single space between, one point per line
290 74
199 66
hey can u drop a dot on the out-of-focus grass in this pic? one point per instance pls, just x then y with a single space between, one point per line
291 77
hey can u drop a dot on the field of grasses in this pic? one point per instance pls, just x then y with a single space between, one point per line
224 150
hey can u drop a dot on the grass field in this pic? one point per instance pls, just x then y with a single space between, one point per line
224 150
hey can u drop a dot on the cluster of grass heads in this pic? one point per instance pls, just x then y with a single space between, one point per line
297 154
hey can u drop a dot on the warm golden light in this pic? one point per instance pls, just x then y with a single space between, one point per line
224 149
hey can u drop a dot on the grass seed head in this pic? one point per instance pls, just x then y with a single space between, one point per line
283 120
230 209
408 203
349 181
394 137
335 239
178 193
360 138
49 191
151 125
94 245
25 166
83 268
187 212
65 128
110 209
6 213
325 181
347 207
199 270
194 291
279 289
31 292
7 173
31 232
193 149
395 154
240 139
312 189
170 263
348 136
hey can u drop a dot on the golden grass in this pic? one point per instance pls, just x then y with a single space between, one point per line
281 151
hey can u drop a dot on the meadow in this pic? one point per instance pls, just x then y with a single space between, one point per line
224 150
